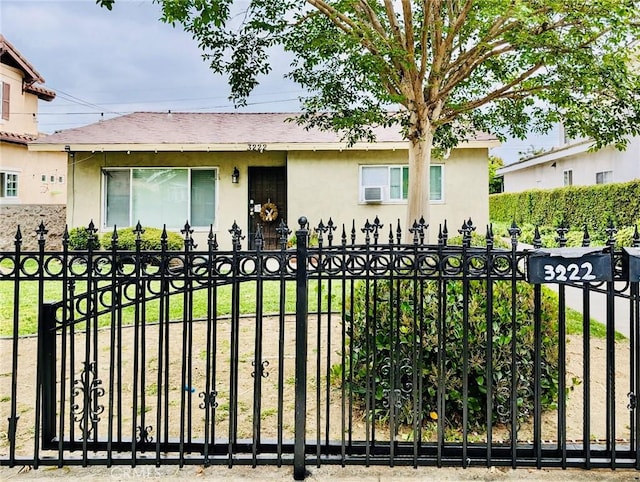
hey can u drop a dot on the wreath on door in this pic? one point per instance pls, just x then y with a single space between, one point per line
269 212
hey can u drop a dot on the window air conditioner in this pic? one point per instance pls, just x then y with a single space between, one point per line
373 194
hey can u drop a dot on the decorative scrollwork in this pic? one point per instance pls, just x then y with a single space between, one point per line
208 399
633 401
261 369
89 387
143 436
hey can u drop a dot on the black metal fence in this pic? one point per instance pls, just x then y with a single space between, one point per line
349 351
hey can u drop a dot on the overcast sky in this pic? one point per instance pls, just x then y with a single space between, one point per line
108 63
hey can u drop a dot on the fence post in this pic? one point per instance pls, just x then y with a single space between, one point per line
302 303
47 367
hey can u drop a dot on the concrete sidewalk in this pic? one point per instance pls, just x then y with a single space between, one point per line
327 473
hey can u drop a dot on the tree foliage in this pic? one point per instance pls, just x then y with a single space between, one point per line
441 69
495 182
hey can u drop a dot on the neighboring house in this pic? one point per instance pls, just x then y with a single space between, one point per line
573 164
217 169
33 185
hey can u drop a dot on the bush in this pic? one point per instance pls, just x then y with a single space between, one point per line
79 239
150 240
398 342
593 206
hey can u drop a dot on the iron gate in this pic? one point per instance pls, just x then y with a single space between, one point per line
337 353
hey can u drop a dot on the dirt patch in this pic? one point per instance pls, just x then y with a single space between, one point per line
151 389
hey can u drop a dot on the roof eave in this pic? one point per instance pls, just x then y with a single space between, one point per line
238 147
549 156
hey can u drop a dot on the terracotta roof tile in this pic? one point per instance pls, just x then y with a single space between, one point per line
16 138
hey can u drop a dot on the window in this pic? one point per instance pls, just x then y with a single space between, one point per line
568 177
8 184
604 177
159 196
386 183
5 93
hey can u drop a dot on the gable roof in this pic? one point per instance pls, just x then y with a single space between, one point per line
10 56
209 131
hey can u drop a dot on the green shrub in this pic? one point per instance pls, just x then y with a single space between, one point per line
392 330
150 240
593 206
79 239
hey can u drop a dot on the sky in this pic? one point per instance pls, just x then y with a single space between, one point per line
105 63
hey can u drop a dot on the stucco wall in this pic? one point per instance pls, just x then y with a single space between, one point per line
323 185
29 217
86 189
20 103
319 185
31 166
624 164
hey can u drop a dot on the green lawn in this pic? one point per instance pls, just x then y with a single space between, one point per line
29 300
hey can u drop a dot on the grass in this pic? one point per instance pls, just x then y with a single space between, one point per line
29 294
574 324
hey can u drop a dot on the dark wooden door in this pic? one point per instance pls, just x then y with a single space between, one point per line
267 189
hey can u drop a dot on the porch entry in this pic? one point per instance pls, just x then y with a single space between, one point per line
267 203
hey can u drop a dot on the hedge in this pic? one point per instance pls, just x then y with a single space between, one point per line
79 239
576 206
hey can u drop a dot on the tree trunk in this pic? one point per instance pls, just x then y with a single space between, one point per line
418 205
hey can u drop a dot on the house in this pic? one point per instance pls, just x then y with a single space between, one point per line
220 168
32 184
573 164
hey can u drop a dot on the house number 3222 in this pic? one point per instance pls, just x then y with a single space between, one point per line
256 147
571 272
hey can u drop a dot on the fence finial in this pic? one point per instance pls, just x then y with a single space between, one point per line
18 237
283 233
367 229
537 239
331 227
114 237
42 233
562 231
514 232
636 238
187 231
586 239
377 225
65 237
236 235
489 236
258 238
611 231
212 239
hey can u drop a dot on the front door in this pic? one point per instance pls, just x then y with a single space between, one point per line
267 203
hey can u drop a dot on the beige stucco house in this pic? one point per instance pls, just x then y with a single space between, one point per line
220 168
33 185
573 163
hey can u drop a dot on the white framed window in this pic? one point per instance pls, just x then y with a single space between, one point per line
8 184
604 177
159 196
390 183
568 177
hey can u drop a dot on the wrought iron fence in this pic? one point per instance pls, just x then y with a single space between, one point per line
363 349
